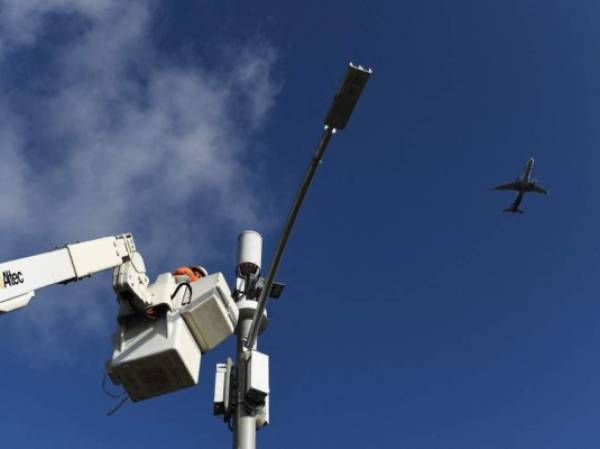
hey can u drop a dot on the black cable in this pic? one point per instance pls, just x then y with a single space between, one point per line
108 393
190 297
189 287
114 410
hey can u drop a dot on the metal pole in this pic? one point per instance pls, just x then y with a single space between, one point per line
287 229
244 420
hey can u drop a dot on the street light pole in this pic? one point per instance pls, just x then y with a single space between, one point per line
243 411
245 394
244 420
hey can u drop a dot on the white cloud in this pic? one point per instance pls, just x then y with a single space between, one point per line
12 171
124 142
21 20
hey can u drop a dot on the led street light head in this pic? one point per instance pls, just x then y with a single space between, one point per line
347 96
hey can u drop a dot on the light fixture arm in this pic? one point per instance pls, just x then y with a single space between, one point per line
337 118
287 230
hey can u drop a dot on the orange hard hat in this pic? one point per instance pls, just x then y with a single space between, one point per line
194 275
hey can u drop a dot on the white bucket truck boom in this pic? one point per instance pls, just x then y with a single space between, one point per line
22 277
163 328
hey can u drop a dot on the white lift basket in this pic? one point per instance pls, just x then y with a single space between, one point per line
153 357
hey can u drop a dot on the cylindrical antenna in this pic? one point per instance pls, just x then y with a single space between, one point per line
249 253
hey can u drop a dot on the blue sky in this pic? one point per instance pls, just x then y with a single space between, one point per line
416 313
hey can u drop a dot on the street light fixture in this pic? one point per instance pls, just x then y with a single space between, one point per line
347 96
337 118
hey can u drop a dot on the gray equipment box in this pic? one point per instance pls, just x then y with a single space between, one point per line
257 377
211 314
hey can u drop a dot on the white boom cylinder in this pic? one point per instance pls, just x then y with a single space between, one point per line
249 253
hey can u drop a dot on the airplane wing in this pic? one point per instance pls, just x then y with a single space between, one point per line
509 186
538 189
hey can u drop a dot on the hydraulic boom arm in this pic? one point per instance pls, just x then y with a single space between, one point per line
21 277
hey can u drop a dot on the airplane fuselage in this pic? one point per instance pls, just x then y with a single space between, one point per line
517 202
525 186
527 172
524 183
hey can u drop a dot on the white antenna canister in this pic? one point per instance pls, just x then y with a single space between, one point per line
249 253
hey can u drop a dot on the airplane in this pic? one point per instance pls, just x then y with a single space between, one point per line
522 185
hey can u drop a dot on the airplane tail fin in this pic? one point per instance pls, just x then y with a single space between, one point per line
513 210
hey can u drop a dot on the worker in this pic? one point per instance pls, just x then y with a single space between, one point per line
189 273
182 275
